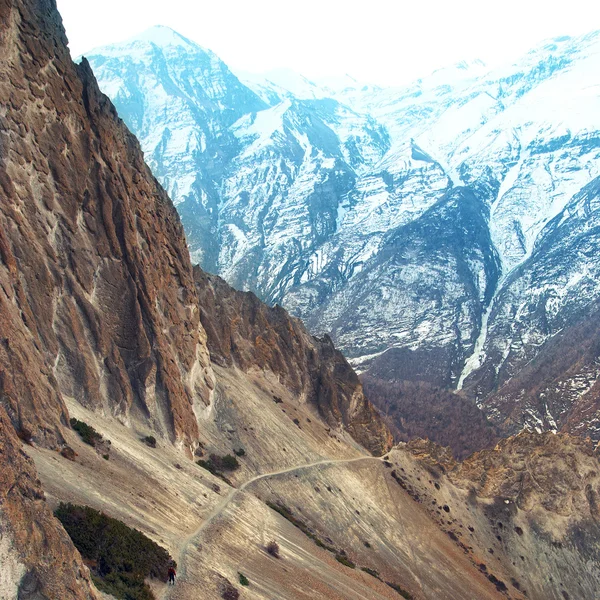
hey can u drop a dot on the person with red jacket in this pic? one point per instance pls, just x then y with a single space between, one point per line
172 574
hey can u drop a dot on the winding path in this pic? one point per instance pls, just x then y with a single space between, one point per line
221 506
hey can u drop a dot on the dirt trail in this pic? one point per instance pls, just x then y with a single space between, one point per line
181 558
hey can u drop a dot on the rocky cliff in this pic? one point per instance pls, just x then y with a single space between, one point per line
37 557
98 301
244 332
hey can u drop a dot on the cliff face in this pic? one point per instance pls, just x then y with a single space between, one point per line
244 332
37 557
97 300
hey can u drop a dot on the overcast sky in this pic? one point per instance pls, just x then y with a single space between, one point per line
377 41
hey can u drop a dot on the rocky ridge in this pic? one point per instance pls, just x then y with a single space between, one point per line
96 281
244 332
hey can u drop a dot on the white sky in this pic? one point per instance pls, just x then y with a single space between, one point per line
377 41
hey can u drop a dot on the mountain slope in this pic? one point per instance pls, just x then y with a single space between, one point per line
547 336
244 332
98 305
180 101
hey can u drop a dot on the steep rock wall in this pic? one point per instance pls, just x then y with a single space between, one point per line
246 333
97 299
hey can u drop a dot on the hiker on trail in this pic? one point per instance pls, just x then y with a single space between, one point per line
172 574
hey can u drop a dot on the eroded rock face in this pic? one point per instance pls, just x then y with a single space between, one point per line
558 473
97 300
38 559
525 511
246 333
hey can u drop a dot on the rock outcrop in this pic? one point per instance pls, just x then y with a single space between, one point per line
244 332
97 299
37 556
525 511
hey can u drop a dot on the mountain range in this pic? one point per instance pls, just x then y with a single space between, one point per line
443 233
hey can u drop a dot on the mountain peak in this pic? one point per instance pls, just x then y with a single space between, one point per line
162 36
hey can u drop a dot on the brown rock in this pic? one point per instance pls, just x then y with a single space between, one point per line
245 332
97 300
37 556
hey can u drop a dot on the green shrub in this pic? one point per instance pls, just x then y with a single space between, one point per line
371 572
149 440
208 465
342 558
122 557
225 463
240 452
400 590
243 580
216 464
86 432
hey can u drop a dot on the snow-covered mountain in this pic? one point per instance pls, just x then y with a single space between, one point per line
441 232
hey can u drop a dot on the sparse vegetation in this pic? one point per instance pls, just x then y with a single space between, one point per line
208 465
422 410
149 440
273 549
225 463
371 572
286 513
217 464
500 585
86 432
119 557
244 580
228 591
342 558
400 590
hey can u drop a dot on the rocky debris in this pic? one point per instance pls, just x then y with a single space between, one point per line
557 472
244 332
37 556
97 299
